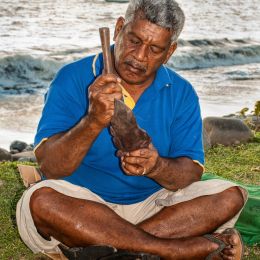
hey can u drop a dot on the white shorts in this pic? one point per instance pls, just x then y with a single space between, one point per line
134 213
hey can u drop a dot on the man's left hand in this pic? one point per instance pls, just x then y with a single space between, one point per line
139 162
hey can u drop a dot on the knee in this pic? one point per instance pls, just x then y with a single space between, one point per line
237 197
39 200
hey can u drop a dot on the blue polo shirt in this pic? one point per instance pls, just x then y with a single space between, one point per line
168 110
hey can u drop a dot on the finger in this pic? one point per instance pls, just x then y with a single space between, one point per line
107 78
120 153
144 153
134 160
103 81
134 169
107 100
110 97
126 171
110 88
227 257
229 251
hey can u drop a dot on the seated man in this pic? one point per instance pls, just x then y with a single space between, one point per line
148 200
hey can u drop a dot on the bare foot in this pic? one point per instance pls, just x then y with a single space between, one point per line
234 248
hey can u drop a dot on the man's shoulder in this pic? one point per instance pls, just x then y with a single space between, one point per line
81 65
77 74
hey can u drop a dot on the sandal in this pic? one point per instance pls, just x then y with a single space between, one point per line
90 252
126 255
221 246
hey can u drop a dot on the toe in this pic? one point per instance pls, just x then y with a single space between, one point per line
229 251
227 257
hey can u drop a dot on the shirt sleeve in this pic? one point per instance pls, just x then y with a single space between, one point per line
65 104
186 130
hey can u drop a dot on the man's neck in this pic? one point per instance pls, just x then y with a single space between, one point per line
136 90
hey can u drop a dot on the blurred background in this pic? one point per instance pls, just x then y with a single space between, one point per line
218 52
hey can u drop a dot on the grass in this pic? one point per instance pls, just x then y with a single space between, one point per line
239 163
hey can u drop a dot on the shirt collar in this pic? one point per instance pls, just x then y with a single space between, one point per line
162 78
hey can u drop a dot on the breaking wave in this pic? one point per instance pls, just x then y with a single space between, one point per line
27 74
199 54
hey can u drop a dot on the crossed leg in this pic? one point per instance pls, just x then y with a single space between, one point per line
173 233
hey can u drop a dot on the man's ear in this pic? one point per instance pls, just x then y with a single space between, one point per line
119 25
171 50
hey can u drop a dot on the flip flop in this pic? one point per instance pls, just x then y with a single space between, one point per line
222 245
126 255
93 252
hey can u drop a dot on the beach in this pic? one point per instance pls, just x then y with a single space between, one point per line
218 52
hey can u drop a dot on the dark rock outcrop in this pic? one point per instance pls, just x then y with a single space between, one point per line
225 131
24 157
18 145
5 155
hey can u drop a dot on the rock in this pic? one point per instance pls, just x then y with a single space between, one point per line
5 155
231 116
24 156
27 159
28 148
18 145
225 131
14 151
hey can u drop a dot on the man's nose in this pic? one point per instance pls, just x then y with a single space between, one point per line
141 53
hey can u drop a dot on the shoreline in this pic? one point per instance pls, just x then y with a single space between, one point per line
8 135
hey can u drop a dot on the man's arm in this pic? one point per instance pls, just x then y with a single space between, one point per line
62 153
170 173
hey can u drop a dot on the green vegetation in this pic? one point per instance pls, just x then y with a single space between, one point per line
240 163
11 189
252 120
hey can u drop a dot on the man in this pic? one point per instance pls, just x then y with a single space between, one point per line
149 200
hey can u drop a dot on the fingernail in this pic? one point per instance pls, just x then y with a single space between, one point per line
118 80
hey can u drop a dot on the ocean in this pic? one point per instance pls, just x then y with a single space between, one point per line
218 52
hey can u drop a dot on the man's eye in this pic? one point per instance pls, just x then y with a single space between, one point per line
155 50
134 41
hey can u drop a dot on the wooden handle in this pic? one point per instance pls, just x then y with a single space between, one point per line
105 42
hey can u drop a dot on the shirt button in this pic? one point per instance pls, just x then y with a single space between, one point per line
168 85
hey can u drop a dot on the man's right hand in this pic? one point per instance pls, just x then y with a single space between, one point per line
102 93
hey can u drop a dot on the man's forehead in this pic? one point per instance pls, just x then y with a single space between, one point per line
143 28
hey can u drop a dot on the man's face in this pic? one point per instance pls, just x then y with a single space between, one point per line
141 48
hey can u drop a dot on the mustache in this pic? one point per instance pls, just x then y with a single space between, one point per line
136 65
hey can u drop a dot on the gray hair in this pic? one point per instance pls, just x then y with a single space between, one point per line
165 13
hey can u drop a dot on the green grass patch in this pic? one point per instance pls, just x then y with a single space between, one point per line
239 163
11 189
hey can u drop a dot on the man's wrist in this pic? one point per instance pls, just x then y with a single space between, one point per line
155 169
91 124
